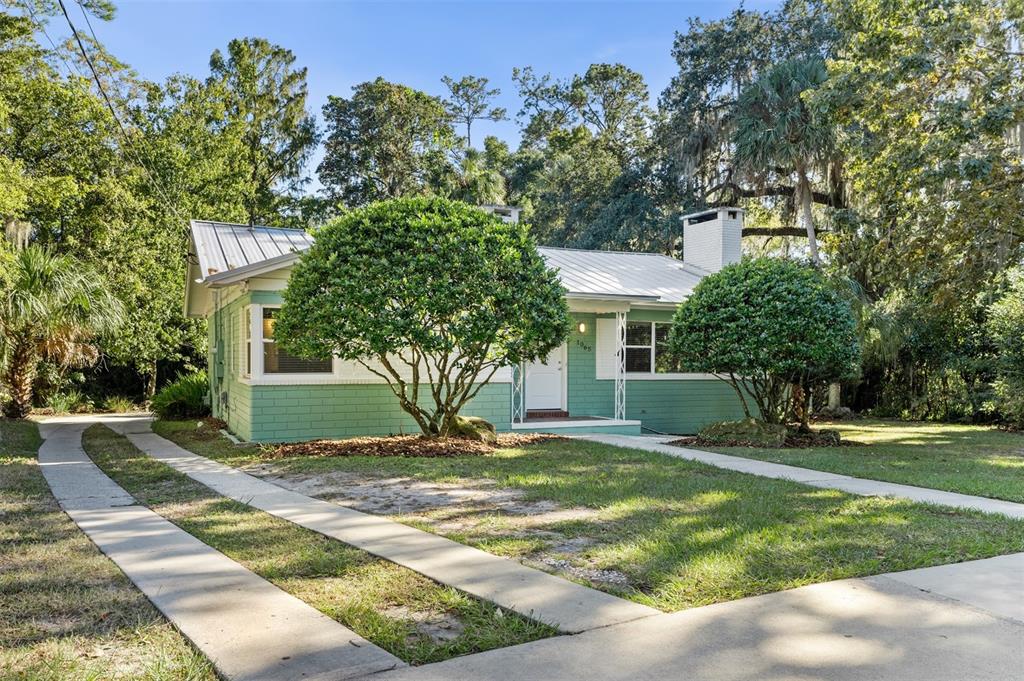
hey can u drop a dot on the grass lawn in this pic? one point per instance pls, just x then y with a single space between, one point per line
682 534
66 611
399 610
975 460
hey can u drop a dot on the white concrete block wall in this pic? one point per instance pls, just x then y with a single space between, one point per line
711 244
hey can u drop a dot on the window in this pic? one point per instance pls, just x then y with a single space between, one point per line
647 348
277 361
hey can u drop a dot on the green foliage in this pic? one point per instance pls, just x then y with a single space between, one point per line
931 103
264 99
765 325
70 402
1006 325
779 136
432 295
747 432
54 307
386 141
118 404
185 397
469 100
586 170
720 62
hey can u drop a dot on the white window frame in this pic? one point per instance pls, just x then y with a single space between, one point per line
253 347
340 374
604 373
652 348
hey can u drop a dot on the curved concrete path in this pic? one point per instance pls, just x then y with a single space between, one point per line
806 476
250 629
568 606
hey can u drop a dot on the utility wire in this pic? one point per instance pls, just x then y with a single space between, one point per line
130 145
72 69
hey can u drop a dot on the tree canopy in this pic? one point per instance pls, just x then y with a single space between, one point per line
765 325
432 296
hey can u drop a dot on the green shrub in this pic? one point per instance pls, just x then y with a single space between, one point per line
448 288
118 404
69 402
766 325
1006 325
184 398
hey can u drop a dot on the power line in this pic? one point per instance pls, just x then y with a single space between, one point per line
42 27
129 144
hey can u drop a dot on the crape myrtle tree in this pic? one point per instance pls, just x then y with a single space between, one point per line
431 295
764 325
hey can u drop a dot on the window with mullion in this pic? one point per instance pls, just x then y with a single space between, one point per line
277 361
647 348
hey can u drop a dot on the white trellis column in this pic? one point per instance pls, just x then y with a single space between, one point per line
518 396
620 365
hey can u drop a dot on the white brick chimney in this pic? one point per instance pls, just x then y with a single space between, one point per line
711 238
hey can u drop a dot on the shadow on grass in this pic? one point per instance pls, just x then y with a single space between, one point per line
687 534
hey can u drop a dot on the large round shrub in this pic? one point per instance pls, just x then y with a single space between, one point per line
765 325
433 296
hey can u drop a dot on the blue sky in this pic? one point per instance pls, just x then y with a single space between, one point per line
345 43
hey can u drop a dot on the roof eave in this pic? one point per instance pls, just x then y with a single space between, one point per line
241 273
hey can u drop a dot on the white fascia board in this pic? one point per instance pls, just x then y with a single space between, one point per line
241 273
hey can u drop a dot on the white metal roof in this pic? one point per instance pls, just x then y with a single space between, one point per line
650 276
229 252
223 247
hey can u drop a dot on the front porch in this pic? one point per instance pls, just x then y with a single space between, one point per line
573 425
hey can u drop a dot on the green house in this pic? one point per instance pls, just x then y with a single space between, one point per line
612 374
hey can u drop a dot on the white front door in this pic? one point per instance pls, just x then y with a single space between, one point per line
544 381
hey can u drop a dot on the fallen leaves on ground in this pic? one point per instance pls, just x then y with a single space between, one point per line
406 445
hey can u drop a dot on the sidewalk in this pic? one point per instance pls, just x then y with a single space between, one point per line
806 476
873 629
250 629
570 607
961 622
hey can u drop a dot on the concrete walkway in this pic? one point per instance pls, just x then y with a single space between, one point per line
568 606
874 629
846 483
250 629
962 622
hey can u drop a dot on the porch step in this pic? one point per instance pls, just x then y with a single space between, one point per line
579 425
546 414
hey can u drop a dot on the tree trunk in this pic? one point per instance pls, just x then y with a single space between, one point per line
807 216
835 391
149 381
21 369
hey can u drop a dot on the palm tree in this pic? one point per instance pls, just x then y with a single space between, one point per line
54 307
776 131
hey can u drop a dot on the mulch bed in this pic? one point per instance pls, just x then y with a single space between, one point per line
793 441
406 445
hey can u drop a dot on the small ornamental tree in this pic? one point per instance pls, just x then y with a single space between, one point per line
764 325
433 296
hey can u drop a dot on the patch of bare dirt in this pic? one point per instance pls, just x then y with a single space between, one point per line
406 445
406 495
472 507
438 627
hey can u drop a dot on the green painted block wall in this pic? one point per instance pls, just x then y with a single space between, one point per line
283 413
230 399
678 407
